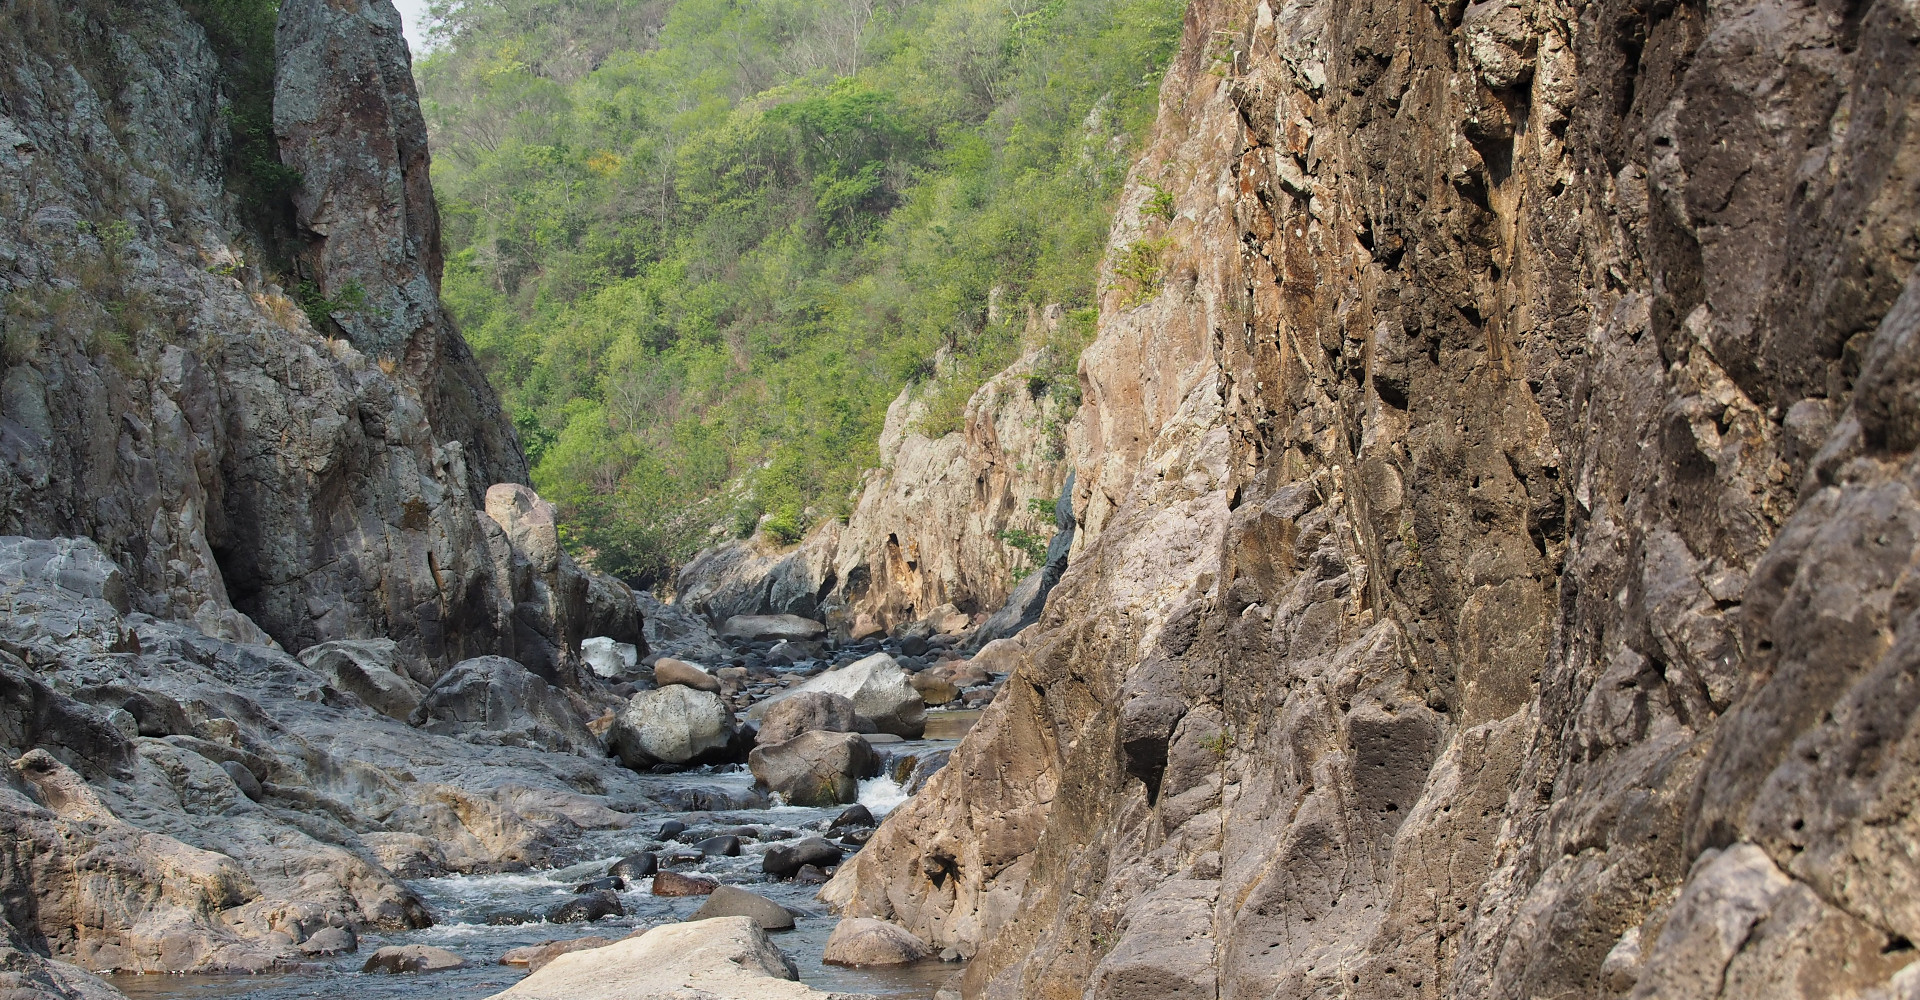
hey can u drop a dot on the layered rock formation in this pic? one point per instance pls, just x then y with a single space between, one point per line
926 530
164 395
1497 575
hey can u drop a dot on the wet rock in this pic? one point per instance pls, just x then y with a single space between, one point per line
668 670
856 838
812 875
852 816
670 829
534 957
730 901
589 907
880 691
782 861
509 918
610 659
815 769
727 846
668 883
330 941
611 883
755 628
400 959
807 711
634 867
671 725
498 699
370 670
862 941
725 958
913 645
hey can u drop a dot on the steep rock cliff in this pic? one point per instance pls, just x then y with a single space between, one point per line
926 528
1500 529
163 395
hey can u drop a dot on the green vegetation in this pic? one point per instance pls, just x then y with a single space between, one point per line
241 32
701 244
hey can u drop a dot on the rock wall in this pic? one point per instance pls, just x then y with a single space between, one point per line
164 395
1497 575
925 531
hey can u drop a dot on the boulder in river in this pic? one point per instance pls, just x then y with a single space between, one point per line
613 883
725 958
668 670
855 815
806 712
867 941
815 769
587 908
731 901
783 861
934 689
724 846
671 725
496 699
676 884
765 628
880 691
370 670
634 867
535 957
397 959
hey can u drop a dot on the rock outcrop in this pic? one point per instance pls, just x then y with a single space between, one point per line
926 529
165 394
1498 519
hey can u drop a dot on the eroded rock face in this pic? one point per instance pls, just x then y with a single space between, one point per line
1497 524
926 531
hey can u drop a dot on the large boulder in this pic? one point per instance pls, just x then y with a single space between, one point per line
672 630
668 670
398 959
493 699
880 690
782 861
761 628
866 941
816 768
672 725
731 901
368 669
725 958
806 712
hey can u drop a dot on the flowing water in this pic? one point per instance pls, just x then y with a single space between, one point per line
462 905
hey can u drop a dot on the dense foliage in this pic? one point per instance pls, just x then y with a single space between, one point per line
701 244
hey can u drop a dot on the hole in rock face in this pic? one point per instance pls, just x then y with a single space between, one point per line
1895 944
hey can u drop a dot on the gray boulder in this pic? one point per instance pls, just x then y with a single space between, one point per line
671 725
880 690
396 959
368 669
729 901
672 630
759 628
866 941
815 769
493 699
806 712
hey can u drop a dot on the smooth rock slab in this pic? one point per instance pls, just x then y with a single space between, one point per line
730 901
760 628
396 959
726 958
866 941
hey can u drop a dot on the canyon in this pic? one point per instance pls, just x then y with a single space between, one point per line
1489 526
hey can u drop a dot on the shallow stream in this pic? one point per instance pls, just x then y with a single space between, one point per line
462 904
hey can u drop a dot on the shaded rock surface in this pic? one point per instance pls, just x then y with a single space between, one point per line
1496 525
815 768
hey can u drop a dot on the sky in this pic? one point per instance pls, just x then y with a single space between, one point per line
414 12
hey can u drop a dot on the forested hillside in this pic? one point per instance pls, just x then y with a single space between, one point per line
700 245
